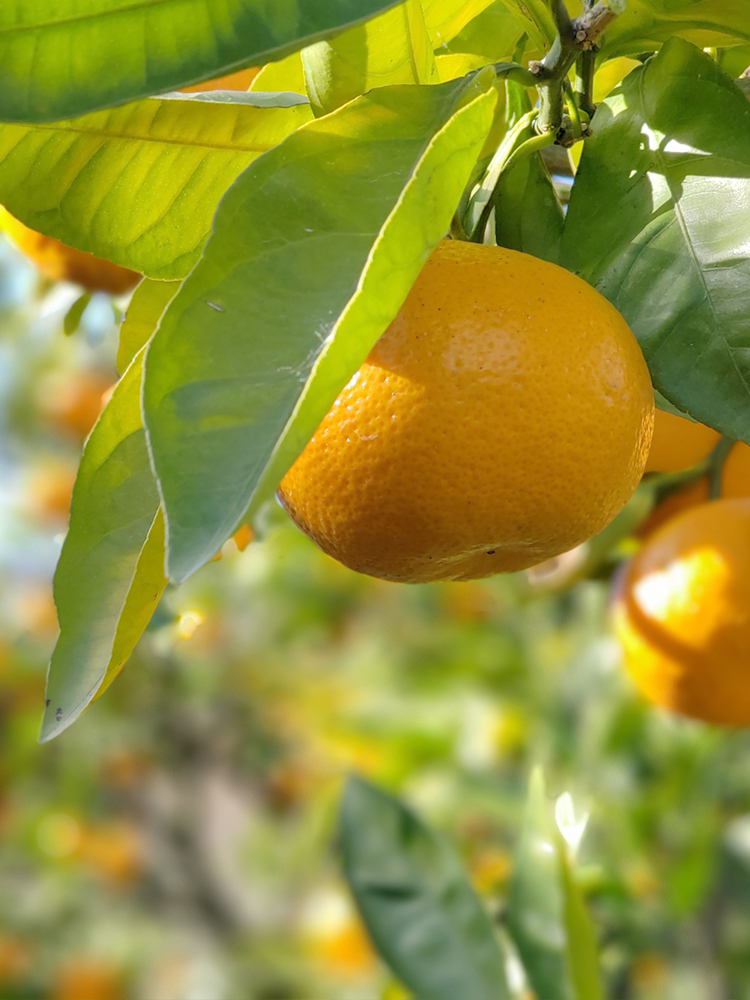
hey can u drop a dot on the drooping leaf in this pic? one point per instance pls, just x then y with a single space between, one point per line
391 48
547 917
416 901
111 569
658 221
138 184
60 58
645 25
144 309
312 252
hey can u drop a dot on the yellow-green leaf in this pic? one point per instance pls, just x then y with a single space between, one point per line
144 309
111 569
138 184
391 48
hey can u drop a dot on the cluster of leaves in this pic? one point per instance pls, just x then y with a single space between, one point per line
279 231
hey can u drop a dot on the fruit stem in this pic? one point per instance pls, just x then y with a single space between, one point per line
584 85
573 39
716 466
518 145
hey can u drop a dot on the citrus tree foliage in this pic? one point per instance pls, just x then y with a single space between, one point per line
279 230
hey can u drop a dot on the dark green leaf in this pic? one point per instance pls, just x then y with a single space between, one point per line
416 901
111 569
658 221
312 252
60 58
139 184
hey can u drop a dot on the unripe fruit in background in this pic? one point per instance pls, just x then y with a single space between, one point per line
682 613
503 417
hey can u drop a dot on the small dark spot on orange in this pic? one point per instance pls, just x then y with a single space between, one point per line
491 552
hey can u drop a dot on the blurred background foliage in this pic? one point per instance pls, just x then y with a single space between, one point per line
178 843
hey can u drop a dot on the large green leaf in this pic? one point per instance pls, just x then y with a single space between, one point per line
138 184
111 569
146 305
547 917
647 24
416 901
312 252
391 48
60 58
659 220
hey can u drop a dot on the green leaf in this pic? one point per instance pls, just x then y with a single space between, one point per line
311 254
111 570
286 74
144 309
445 18
416 901
658 221
392 48
72 319
528 215
547 918
536 19
61 58
647 24
495 34
139 184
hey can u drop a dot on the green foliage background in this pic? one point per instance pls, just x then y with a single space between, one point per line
221 756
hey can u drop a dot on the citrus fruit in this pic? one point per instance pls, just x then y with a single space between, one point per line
682 613
502 418
64 263
240 80
735 482
678 443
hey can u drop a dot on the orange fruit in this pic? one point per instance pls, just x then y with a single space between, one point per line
240 80
87 979
63 263
735 482
678 443
485 432
682 613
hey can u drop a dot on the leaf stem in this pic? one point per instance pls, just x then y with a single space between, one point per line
716 466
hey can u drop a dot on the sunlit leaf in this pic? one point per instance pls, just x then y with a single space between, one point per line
445 18
416 901
646 24
286 74
60 58
144 309
391 48
312 252
111 569
138 184
658 221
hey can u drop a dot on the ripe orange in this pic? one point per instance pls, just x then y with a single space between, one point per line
489 428
678 443
240 80
63 263
682 613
